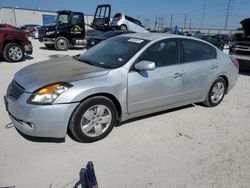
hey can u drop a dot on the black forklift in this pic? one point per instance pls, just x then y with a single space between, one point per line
69 28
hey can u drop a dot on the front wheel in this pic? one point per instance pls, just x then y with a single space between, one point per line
216 93
13 52
93 119
61 44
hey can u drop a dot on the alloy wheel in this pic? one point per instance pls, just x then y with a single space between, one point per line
96 120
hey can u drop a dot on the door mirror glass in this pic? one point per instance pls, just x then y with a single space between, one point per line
145 65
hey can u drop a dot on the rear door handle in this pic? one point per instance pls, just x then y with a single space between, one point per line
213 67
177 75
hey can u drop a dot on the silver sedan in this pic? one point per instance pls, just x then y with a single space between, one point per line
119 79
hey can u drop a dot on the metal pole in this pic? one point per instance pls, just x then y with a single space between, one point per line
190 24
203 13
228 9
171 21
185 20
14 14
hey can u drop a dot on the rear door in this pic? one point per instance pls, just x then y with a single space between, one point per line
101 19
160 87
199 67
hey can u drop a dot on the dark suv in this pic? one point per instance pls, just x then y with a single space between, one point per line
14 43
240 47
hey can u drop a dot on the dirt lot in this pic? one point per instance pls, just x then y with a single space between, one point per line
193 146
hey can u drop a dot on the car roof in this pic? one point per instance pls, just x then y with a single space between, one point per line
160 36
153 36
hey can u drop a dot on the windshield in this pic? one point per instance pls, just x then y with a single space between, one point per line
113 53
62 18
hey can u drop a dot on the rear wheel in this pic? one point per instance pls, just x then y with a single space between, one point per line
93 119
216 93
13 52
123 28
61 44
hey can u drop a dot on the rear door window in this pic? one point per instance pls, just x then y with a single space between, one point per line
197 51
162 53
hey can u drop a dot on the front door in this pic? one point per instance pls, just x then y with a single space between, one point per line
160 87
101 19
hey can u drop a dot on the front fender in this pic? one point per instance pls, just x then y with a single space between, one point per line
106 84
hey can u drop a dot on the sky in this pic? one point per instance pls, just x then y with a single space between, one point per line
148 10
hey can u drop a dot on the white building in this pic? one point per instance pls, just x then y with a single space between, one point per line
22 16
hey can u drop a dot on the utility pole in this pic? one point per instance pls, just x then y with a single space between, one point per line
203 13
171 20
190 24
146 22
185 21
160 22
156 22
228 10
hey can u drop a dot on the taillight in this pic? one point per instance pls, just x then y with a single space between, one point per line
32 30
235 62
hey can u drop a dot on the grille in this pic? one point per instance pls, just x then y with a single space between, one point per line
41 32
14 90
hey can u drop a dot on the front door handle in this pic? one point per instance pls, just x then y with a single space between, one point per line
177 75
213 67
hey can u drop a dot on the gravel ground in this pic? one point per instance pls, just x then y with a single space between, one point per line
192 146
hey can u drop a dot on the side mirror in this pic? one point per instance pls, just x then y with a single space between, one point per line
145 65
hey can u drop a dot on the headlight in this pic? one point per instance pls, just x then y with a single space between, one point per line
50 32
48 94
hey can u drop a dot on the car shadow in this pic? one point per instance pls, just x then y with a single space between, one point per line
155 114
61 140
53 49
48 49
27 57
41 139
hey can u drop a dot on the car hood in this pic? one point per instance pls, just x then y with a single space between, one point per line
66 69
246 26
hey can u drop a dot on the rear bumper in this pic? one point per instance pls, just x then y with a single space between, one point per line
49 121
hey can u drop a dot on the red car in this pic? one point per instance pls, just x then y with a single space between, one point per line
14 43
29 28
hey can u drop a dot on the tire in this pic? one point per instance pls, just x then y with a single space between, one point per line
13 52
123 27
94 126
213 99
49 46
61 44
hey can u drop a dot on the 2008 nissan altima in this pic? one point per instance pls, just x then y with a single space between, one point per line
119 79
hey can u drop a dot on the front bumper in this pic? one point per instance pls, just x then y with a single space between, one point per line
39 120
49 40
28 49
